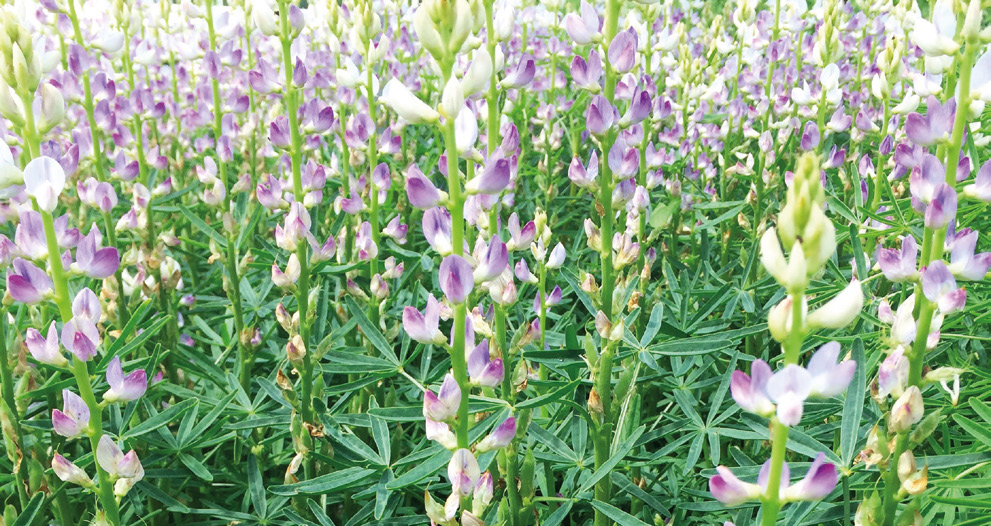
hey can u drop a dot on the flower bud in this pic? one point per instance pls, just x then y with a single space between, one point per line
841 310
52 108
906 411
453 99
295 350
264 18
906 465
476 79
69 472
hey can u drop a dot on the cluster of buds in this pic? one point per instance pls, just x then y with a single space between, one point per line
809 236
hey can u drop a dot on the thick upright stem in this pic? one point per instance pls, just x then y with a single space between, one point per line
105 490
303 287
234 285
771 501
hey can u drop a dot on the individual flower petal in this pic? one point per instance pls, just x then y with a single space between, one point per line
828 377
789 388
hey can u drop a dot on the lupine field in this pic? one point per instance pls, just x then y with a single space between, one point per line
495 262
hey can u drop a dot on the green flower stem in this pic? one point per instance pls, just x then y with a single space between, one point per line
373 199
491 103
603 370
509 456
459 364
932 250
31 149
771 501
303 287
542 290
105 490
234 284
98 160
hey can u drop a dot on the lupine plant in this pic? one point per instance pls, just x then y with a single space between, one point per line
495 262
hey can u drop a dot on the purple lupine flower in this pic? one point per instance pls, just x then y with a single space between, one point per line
585 177
351 205
600 116
730 490
296 228
484 489
587 74
278 132
892 374
935 126
30 235
981 189
94 260
28 283
839 121
638 110
116 463
623 161
584 28
942 208
73 420
623 50
437 230
441 433
288 278
551 299
365 243
44 180
444 407
522 74
523 273
810 137
493 178
86 306
828 377
124 388
925 180
456 278
421 191
818 482
492 260
423 327
520 237
45 349
98 194
463 472
396 230
269 193
964 263
939 287
482 369
788 388
899 265
750 391
69 472
500 437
